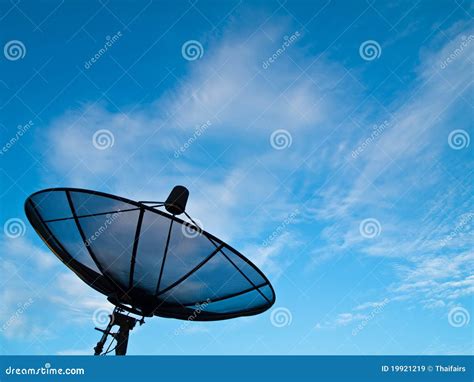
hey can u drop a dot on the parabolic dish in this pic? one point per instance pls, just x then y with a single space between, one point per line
145 259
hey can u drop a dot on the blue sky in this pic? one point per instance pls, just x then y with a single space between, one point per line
328 141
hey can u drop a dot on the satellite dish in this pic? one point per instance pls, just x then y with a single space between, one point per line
147 261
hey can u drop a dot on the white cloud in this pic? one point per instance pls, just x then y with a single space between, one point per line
433 303
232 171
371 304
440 267
78 301
342 319
34 279
275 257
395 180
29 253
228 87
415 124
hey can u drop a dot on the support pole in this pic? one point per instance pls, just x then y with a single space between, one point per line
125 324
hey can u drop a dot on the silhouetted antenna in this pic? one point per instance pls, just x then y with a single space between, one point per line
146 260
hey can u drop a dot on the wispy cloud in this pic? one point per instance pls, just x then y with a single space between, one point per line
397 179
27 252
78 302
342 319
232 167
